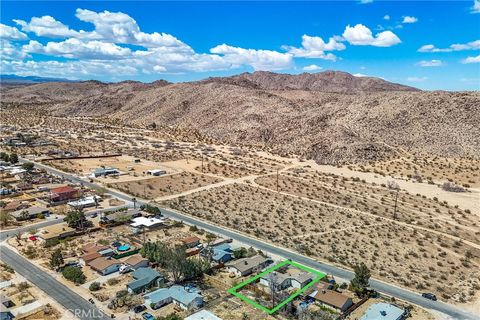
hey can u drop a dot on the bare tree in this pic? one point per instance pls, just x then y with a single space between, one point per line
274 285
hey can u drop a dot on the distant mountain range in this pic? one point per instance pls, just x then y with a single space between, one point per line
19 80
332 116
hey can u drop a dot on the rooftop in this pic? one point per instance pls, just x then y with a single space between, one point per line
382 311
66 189
135 259
176 292
248 263
189 240
102 263
202 315
143 276
330 297
146 222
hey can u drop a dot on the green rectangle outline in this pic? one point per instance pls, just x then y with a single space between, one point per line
234 289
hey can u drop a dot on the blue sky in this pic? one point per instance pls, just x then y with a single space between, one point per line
428 44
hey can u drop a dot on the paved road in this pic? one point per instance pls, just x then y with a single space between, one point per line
4 234
80 307
380 286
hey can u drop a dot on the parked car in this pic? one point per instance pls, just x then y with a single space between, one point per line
139 308
124 269
148 316
429 296
94 215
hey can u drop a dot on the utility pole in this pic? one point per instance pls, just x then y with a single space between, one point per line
277 180
395 206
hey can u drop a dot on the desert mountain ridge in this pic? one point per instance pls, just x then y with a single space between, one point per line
332 117
326 81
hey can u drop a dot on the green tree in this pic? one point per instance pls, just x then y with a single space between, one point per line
13 158
240 253
361 279
56 259
94 286
4 156
5 218
74 274
76 219
172 316
28 166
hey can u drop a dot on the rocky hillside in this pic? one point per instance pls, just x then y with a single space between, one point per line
366 124
328 81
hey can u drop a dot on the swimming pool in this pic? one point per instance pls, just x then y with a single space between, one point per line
124 247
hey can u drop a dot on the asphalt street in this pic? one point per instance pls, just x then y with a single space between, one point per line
389 289
73 302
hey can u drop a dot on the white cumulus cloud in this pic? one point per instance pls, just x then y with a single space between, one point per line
473 45
73 48
471 60
360 35
476 6
258 59
386 17
409 19
46 26
11 33
312 67
430 63
315 47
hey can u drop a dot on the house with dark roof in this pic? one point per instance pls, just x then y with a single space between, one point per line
245 266
144 279
30 213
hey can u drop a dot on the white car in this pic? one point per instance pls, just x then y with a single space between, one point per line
124 268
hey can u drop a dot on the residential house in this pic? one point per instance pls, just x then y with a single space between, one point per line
104 265
221 253
103 172
64 194
86 258
156 172
136 261
291 278
191 242
56 231
93 247
15 205
185 298
202 315
120 217
144 279
148 223
332 299
85 202
383 311
30 213
245 266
